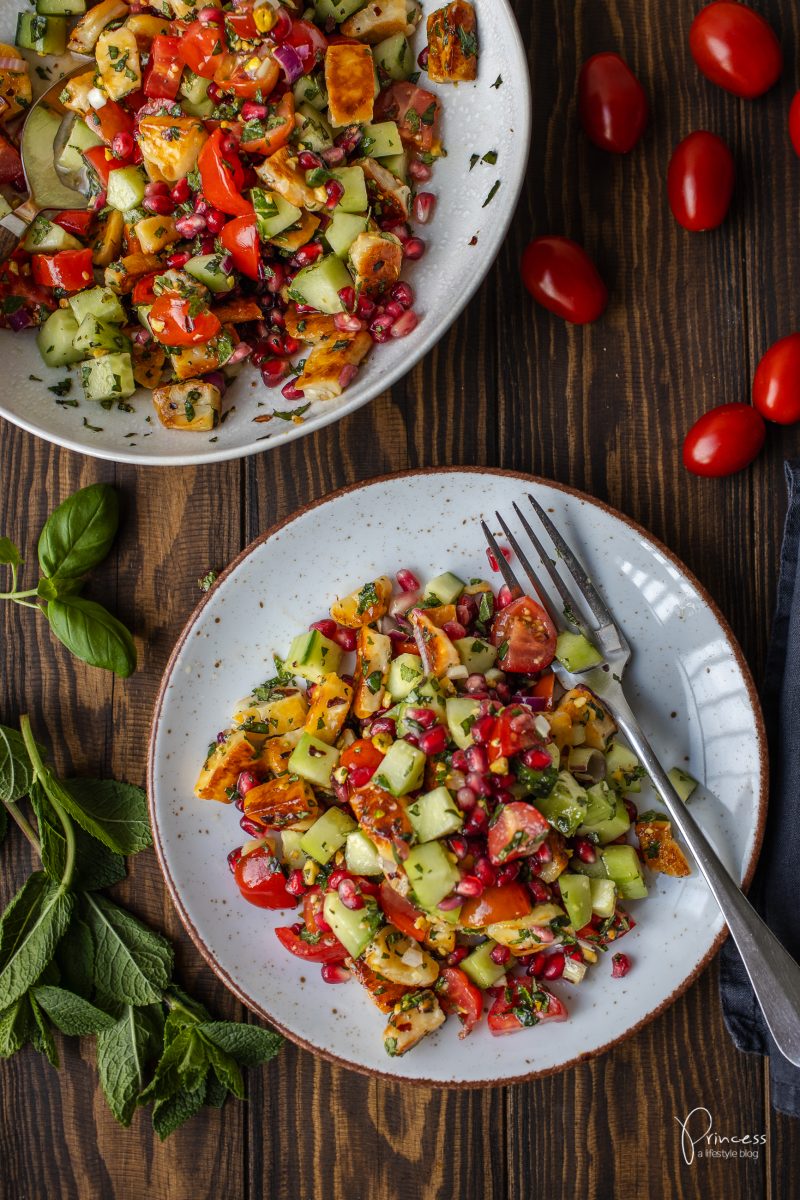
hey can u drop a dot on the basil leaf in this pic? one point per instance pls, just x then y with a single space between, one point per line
9 553
132 963
56 588
114 813
123 1052
79 533
70 1013
93 635
96 866
250 1045
16 772
30 930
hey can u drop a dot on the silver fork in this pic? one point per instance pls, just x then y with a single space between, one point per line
774 974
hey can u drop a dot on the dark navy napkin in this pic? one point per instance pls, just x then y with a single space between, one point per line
774 888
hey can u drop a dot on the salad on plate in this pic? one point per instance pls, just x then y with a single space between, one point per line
455 826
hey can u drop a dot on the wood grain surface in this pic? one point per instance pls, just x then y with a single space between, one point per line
602 408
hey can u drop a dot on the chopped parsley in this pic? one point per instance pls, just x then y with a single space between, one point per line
492 193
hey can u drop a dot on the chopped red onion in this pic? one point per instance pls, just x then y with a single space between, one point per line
21 319
217 379
290 60
535 703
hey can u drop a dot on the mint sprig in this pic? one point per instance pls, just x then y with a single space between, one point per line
73 960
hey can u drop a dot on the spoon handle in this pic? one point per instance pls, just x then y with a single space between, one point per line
13 228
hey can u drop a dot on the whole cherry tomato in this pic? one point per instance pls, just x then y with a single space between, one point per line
736 48
794 122
776 386
560 275
700 181
611 103
309 42
724 440
261 880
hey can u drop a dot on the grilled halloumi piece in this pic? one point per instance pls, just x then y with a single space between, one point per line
350 82
298 235
280 714
365 605
383 818
282 802
145 28
75 93
154 233
282 174
121 275
222 767
195 406
84 36
171 146
117 54
314 328
149 362
376 260
452 43
329 708
417 1015
390 197
582 708
661 852
373 655
381 992
107 245
435 648
400 960
378 21
321 378
192 361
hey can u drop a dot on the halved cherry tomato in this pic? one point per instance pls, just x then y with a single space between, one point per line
526 637
236 75
415 110
736 48
77 222
70 270
175 324
361 753
724 440
326 949
559 274
401 913
700 181
611 103
310 44
243 23
240 239
110 120
521 1005
268 135
143 289
100 163
261 881
495 904
222 176
517 830
163 76
457 994
776 386
203 48
514 731
545 687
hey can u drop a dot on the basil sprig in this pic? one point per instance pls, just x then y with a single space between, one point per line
76 537
74 960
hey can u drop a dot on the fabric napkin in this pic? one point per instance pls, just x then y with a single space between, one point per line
774 888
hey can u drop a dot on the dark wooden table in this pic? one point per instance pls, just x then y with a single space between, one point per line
603 408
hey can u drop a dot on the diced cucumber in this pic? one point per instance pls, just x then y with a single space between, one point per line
602 804
207 269
622 769
343 231
44 237
80 138
273 213
98 302
126 187
405 672
476 655
593 870
481 967
461 715
427 694
576 653
311 655
56 339
381 140
401 769
355 199
108 378
576 893
313 760
292 853
313 132
61 8
445 589
435 815
610 830
194 90
310 89
604 896
319 285
45 35
622 865
339 10
96 338
327 835
355 928
394 57
683 783
360 855
565 806
431 873
398 165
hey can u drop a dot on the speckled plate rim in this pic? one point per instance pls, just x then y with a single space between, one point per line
758 719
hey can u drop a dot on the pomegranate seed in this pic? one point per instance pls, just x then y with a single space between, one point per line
401 231
298 927
210 16
504 597
454 630
459 761
181 191
348 894
123 145
357 777
189 226
412 739
466 799
449 902
540 891
238 804
282 27
482 731
295 885
346 638
381 328
477 783
500 955
347 295
538 964
434 741
537 760
290 392
308 161
334 973
554 967
457 956
327 627
458 845
246 782
273 371
475 683
476 821
214 93
215 221
402 294
476 758
414 248
308 254
469 885
419 171
424 206
425 717
337 876
251 827
405 324
631 810
383 725
508 874
585 850
335 191
394 309
365 308
252 111
207 245
485 871
275 276
544 854
234 858
161 205
422 58
346 323
620 965
407 580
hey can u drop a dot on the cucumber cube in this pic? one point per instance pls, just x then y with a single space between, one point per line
273 213
44 237
594 870
576 653
96 338
206 269
355 928
381 140
604 896
313 760
311 655
319 285
476 655
576 893
622 769
108 378
343 231
398 165
313 132
565 807
445 588
310 89
81 138
609 830
196 101
43 34
435 815
360 855
431 873
461 715
394 57
56 339
480 966
338 10
327 835
99 302
401 770
622 865
292 854
602 805
126 187
355 199
684 785
404 673
61 8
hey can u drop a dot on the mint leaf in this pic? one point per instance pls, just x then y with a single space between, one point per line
182 1066
17 1026
75 957
123 1052
30 930
70 1013
43 1039
250 1045
16 773
9 553
96 866
169 1114
132 963
216 1092
224 1067
114 813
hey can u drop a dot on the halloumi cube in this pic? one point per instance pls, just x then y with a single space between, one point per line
223 766
121 275
350 81
298 235
171 146
189 362
84 35
376 260
378 21
453 43
193 406
75 93
313 328
282 174
154 233
321 378
117 54
390 197
149 362
373 655
15 86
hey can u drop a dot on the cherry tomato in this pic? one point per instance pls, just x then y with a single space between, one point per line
267 136
495 904
70 270
526 637
76 221
724 440
163 77
222 176
736 48
776 386
514 731
173 323
362 753
544 689
401 913
700 181
310 43
560 275
143 289
457 994
611 103
110 120
517 830
240 239
203 48
243 24
235 74
521 1005
794 122
326 949
261 881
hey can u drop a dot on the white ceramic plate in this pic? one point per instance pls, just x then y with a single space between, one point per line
688 683
478 118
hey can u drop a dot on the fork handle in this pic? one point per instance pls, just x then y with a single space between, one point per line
772 971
